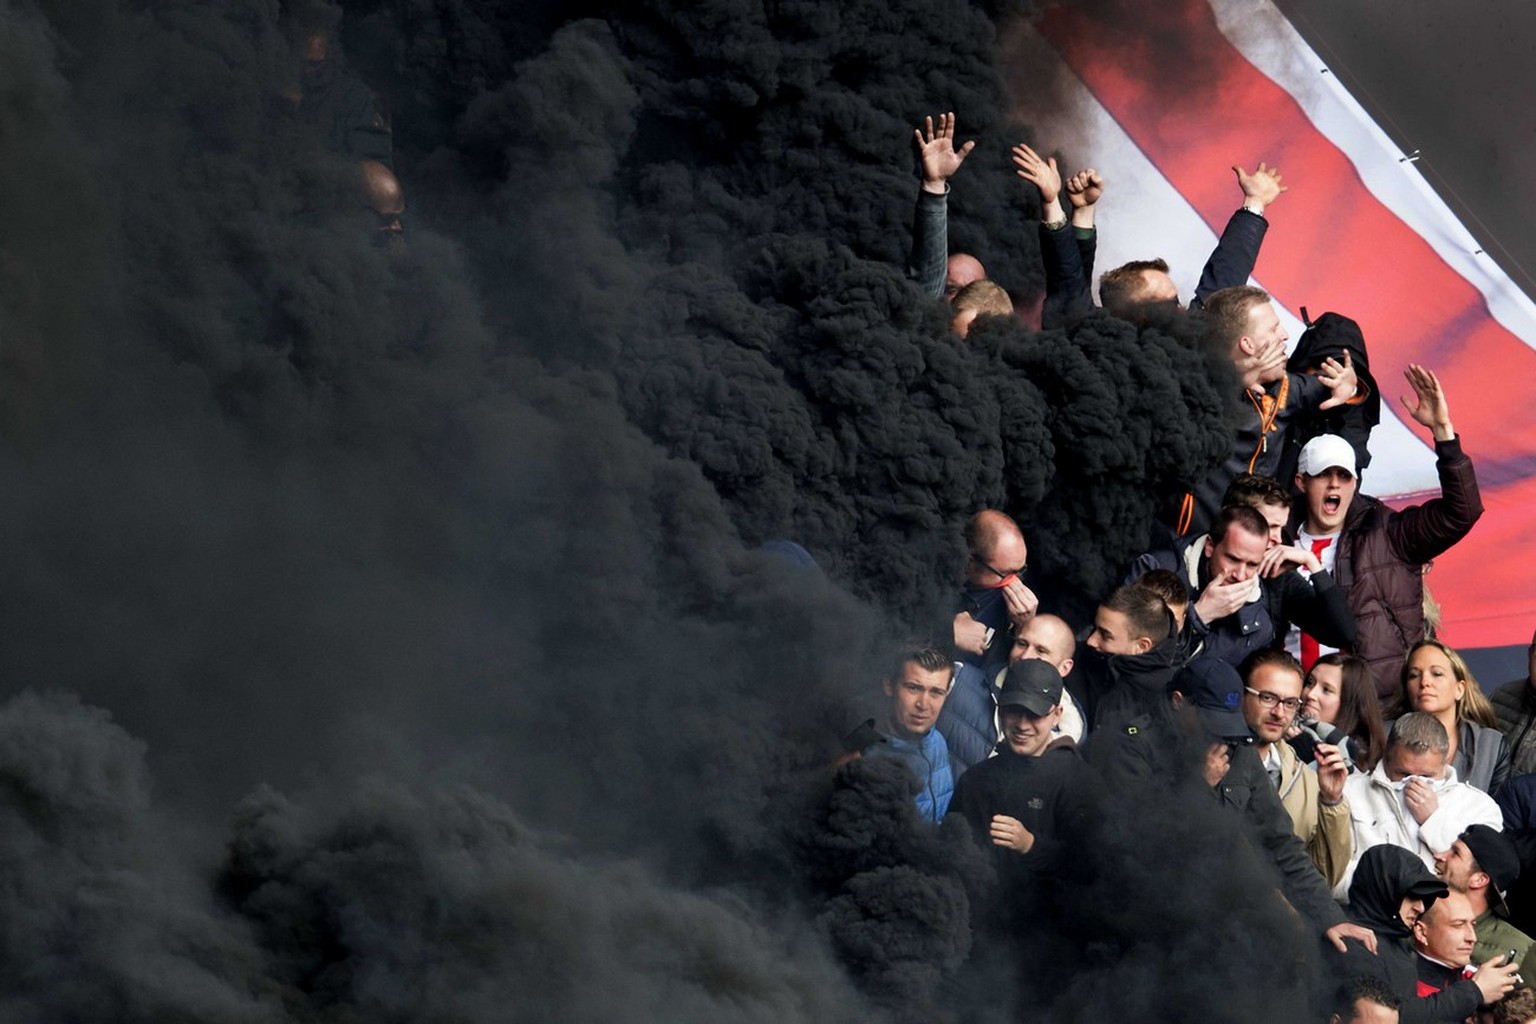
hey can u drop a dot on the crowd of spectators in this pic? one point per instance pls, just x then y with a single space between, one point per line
1272 657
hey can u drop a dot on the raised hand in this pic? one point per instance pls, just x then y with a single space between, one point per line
1041 173
1262 185
1428 406
1332 771
936 148
1084 188
1340 379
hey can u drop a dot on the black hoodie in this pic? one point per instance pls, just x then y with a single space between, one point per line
1385 876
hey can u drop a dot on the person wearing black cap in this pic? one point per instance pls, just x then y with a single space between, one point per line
1389 894
1201 730
1481 865
1032 801
1032 807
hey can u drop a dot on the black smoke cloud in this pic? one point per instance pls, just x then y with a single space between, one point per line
476 522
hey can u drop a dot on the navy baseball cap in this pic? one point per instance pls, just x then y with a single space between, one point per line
1216 691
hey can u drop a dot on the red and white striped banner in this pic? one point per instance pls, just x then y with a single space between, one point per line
1220 82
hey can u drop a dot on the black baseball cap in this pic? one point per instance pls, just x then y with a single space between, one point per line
1495 854
1033 685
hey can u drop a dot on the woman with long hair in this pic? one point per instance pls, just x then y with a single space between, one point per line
1436 679
1339 691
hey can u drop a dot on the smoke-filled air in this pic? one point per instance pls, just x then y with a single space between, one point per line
386 624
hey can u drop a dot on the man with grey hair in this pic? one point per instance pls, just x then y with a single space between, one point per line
1412 798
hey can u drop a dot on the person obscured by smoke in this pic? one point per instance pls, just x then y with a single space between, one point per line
478 522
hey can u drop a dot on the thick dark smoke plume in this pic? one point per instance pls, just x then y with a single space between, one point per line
448 555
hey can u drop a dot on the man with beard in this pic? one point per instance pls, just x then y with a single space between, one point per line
1197 748
1481 865
1314 799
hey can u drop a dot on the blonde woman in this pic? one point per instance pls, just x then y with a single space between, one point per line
1436 680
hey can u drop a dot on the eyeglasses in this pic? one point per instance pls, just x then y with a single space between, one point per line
1270 700
1020 571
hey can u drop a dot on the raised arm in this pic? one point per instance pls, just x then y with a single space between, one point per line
1233 259
1428 406
1260 188
939 160
1084 190
1422 532
1067 275
1041 173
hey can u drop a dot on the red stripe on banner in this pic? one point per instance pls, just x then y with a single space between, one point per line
1195 106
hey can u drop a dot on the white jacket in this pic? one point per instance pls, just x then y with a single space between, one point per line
1377 815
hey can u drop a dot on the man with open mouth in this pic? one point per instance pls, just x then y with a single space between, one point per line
1377 555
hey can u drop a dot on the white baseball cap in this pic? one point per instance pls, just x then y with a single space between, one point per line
1324 452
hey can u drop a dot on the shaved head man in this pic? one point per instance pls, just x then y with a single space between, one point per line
383 195
962 269
1048 638
1444 937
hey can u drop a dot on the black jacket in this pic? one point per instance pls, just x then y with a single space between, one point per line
1385 875
1151 754
1317 605
1328 336
1054 795
1120 687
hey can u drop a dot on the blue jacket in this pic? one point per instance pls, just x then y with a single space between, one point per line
928 760
968 719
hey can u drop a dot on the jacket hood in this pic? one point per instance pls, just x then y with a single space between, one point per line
1387 874
1325 337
